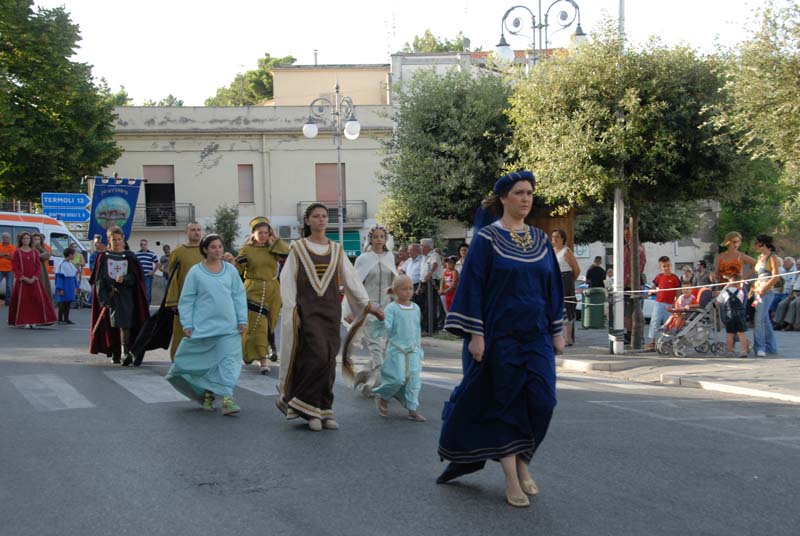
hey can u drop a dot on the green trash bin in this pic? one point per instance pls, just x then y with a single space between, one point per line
592 310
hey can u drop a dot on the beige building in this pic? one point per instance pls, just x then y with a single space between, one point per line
298 85
196 159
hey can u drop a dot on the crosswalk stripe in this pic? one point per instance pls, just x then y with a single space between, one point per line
48 392
259 384
146 386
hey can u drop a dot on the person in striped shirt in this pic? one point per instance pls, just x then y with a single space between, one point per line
148 261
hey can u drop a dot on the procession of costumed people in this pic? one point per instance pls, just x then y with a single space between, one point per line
508 307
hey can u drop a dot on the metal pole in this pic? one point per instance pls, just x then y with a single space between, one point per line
618 334
338 135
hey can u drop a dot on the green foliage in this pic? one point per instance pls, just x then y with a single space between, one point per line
427 42
764 77
169 100
568 131
251 87
663 222
120 98
404 224
226 225
448 145
55 123
754 207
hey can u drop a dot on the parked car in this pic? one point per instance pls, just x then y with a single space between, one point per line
648 301
580 286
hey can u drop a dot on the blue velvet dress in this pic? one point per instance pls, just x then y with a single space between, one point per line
513 297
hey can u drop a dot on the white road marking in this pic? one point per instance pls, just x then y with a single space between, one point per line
260 384
148 387
48 392
569 386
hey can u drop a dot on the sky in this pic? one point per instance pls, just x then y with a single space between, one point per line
189 48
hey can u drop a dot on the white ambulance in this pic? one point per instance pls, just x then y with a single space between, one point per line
56 236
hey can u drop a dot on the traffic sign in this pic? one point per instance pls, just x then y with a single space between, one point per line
67 214
59 200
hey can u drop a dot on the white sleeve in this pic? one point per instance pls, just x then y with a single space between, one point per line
354 290
289 283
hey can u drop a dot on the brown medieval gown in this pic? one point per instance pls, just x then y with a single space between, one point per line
310 325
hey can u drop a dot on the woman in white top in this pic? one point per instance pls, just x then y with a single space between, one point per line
375 268
569 274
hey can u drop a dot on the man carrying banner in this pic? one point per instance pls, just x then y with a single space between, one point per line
181 260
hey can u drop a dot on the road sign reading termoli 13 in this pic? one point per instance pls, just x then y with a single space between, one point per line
66 207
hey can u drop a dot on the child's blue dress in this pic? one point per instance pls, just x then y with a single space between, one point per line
66 281
400 372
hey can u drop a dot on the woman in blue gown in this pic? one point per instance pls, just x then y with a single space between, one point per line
509 308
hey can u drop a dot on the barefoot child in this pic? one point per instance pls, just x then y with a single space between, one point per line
449 282
400 372
733 313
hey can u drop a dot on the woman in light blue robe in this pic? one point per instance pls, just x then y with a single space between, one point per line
213 313
402 365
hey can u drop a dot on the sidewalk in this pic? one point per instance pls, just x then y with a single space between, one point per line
773 377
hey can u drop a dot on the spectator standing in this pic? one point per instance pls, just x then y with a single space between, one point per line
596 274
627 279
7 250
733 302
569 274
767 270
401 257
702 276
731 261
147 260
666 286
163 261
413 265
449 282
462 256
688 275
66 286
430 279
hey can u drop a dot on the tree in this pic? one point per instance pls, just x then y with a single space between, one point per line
448 145
252 86
169 100
120 98
56 124
764 107
663 222
638 119
226 225
405 225
428 42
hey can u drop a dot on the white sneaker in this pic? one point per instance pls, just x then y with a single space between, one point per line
761 353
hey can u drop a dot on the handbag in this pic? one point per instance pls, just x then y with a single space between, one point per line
157 329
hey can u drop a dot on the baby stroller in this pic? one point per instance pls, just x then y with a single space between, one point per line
699 332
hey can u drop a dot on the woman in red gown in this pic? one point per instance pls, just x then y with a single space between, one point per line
30 305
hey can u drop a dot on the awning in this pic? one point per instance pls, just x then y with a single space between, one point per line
352 241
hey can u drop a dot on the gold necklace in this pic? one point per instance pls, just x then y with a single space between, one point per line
524 241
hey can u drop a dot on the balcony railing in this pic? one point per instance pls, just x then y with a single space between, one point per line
353 212
163 215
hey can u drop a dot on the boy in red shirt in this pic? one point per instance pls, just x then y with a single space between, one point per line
666 288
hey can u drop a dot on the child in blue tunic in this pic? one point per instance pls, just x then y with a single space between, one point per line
402 364
66 284
213 312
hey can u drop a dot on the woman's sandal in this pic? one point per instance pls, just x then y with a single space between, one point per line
518 501
529 486
382 407
416 417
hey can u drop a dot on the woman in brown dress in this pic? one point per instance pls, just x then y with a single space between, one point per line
44 257
315 270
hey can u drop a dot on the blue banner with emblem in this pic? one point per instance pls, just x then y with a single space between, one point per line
113 205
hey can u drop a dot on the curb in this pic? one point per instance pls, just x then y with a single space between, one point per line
583 365
708 385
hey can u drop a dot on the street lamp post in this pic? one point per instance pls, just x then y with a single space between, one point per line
540 23
338 108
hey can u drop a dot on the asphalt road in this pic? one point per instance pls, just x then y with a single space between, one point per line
92 449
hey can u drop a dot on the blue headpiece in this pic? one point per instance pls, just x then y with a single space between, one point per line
484 217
